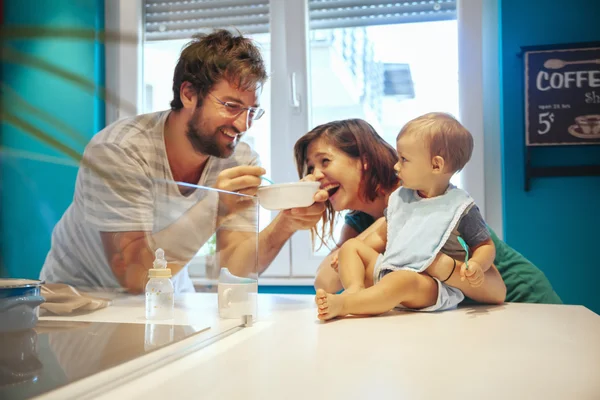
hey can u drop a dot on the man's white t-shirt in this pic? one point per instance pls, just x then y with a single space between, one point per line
125 184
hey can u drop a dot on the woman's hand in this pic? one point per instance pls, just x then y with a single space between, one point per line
320 192
491 289
306 217
442 267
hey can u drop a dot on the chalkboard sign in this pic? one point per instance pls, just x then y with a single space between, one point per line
562 95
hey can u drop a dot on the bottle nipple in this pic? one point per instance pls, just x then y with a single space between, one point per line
159 266
159 259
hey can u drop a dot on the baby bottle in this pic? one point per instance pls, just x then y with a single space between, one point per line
159 289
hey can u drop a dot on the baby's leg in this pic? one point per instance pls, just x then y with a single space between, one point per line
356 263
354 259
408 288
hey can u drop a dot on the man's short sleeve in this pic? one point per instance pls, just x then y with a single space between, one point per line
116 191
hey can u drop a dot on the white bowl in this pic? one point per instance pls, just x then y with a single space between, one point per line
283 196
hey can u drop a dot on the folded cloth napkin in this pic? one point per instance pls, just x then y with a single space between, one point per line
62 299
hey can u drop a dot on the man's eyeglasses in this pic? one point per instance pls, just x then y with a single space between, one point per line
235 109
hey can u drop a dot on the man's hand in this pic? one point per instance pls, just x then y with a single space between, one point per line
474 275
307 217
243 179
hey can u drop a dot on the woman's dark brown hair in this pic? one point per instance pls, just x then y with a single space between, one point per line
209 58
358 140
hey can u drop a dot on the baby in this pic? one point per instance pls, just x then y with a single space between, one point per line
425 216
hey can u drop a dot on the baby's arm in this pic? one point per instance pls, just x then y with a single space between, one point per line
484 255
480 261
447 270
491 289
473 230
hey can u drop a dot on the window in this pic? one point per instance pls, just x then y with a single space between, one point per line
385 62
169 27
376 63
391 73
160 58
383 75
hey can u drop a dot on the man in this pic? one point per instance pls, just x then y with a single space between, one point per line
127 204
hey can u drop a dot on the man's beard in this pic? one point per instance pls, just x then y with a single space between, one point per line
206 143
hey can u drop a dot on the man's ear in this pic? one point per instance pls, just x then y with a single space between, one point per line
437 164
188 96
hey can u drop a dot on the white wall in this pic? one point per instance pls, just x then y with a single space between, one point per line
479 100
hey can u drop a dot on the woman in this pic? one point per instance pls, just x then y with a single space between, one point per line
355 165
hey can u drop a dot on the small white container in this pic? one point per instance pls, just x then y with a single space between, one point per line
237 297
283 196
160 303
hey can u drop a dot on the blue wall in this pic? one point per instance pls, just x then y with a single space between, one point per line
35 193
556 223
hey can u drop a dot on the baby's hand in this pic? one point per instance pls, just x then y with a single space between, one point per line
474 275
334 262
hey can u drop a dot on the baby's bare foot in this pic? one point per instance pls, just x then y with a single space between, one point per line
321 299
329 305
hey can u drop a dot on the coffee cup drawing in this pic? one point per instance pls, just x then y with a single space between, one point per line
586 127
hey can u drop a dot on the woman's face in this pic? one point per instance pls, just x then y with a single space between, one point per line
338 173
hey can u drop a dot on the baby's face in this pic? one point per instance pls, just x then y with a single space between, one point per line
414 167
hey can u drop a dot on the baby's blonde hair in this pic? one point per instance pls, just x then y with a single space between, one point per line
445 136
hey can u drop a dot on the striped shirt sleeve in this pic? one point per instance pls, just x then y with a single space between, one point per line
117 190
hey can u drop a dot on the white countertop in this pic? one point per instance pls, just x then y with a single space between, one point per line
515 351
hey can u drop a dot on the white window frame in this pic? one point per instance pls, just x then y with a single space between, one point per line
479 104
491 101
124 57
289 25
289 118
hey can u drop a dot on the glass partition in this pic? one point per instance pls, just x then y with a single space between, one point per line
95 231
